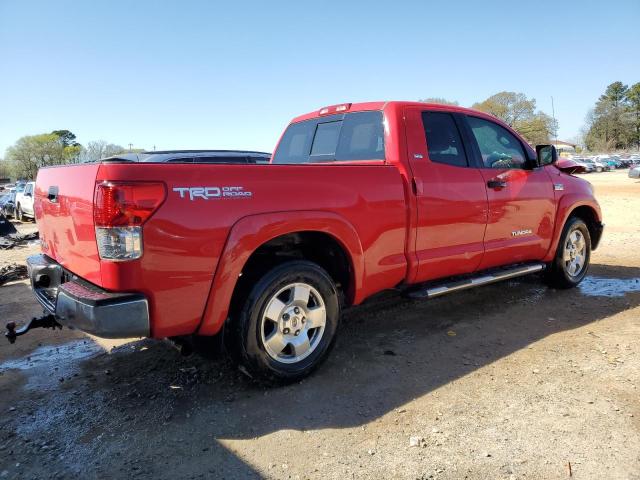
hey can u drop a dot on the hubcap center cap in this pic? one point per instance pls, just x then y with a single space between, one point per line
293 321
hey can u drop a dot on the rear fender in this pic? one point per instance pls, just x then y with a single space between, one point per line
249 233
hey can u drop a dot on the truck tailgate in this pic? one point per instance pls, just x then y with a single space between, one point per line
64 212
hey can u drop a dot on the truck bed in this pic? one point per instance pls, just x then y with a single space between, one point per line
185 237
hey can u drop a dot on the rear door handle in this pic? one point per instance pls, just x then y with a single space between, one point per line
53 194
496 184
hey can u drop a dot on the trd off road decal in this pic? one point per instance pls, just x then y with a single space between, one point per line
212 193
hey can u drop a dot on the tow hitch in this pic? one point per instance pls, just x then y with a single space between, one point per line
46 321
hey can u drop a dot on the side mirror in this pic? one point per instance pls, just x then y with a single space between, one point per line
546 155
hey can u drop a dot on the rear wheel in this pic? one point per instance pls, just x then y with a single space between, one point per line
572 258
288 323
19 216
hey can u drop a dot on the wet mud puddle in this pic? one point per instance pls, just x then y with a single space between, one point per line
608 287
46 365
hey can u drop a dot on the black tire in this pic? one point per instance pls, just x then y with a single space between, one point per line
245 341
558 273
19 216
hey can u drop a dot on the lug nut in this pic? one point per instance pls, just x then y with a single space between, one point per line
286 331
304 319
296 310
297 333
285 317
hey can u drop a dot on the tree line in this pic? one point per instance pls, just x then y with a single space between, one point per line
612 124
29 153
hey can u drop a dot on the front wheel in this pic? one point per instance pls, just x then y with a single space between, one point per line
288 323
19 216
572 256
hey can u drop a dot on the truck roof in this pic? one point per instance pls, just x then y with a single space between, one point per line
383 105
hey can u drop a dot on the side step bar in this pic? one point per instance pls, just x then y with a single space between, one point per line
484 278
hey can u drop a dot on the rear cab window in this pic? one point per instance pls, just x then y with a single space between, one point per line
444 143
335 138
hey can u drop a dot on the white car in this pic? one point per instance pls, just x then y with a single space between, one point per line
24 202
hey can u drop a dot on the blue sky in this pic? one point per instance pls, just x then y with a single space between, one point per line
205 74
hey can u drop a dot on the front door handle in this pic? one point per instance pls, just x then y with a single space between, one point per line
496 184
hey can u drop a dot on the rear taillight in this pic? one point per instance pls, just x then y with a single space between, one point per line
120 210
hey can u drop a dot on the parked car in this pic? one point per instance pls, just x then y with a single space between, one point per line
625 162
24 202
607 163
357 198
595 166
634 172
586 165
8 206
4 197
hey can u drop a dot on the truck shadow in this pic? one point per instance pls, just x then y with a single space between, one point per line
389 351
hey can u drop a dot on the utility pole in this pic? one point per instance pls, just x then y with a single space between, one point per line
555 124
130 147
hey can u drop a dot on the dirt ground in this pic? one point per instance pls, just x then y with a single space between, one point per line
510 381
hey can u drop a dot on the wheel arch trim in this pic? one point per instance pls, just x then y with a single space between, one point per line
251 232
567 206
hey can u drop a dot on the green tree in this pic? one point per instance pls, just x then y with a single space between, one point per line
519 112
5 169
440 100
34 151
67 138
510 107
633 99
616 93
609 123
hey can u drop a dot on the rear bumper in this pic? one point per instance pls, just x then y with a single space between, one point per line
79 304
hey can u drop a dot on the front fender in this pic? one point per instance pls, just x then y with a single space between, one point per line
566 205
250 232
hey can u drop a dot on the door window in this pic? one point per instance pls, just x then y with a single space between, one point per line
443 139
498 147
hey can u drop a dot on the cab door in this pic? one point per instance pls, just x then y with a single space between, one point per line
521 198
450 195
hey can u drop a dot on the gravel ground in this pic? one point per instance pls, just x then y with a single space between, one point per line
510 381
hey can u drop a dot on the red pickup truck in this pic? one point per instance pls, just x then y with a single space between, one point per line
357 198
